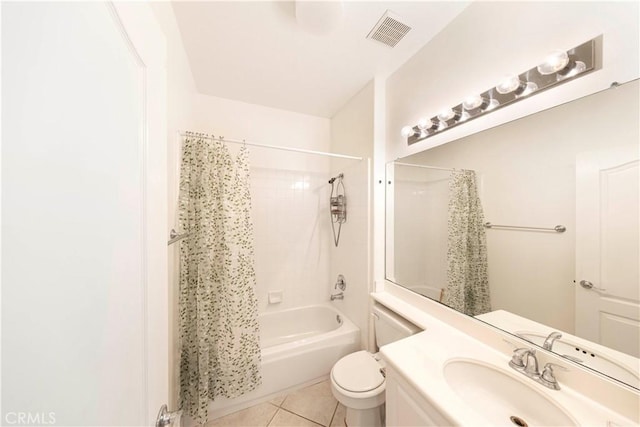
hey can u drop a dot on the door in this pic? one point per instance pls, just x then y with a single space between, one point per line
607 248
84 252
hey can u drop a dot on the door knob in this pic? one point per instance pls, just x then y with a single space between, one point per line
588 285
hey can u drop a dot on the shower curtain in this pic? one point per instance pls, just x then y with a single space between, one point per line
219 336
467 281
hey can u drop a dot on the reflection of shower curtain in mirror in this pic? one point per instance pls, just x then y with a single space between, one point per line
467 282
219 339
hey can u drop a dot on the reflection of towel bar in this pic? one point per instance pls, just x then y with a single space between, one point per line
557 228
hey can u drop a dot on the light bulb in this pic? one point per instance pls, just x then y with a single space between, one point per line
473 102
577 68
509 84
425 123
446 115
512 83
553 63
407 131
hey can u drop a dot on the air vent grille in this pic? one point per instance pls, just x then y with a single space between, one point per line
389 30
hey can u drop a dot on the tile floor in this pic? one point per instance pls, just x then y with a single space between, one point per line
312 406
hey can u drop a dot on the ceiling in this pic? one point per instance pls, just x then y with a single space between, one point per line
256 52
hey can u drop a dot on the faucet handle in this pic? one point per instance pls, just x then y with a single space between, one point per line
548 378
518 358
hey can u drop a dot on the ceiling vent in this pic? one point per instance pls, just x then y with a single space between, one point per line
389 29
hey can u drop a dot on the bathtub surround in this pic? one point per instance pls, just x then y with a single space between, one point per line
219 333
467 281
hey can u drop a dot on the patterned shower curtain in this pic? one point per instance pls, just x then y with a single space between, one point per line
467 281
219 335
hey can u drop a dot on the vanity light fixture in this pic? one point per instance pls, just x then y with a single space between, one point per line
553 63
448 117
408 131
557 68
513 84
574 68
427 125
477 103
561 63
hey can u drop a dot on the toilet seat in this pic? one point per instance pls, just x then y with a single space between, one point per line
358 372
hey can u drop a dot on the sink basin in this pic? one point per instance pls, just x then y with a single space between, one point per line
586 357
500 397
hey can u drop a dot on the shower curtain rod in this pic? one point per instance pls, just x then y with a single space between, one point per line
275 147
428 167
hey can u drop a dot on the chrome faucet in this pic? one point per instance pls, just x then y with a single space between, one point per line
339 295
524 360
548 343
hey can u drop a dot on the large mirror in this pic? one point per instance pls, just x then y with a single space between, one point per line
574 166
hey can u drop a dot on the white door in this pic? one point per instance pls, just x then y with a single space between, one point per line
84 286
607 248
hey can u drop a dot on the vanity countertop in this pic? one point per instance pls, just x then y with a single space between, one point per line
421 358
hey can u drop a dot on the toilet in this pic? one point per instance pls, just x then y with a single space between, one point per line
357 380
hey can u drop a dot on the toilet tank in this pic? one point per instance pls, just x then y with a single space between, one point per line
390 327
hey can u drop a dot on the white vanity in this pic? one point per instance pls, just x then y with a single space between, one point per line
457 372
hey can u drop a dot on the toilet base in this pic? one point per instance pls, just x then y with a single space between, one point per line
372 417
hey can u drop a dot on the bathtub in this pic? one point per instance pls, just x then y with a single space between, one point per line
299 346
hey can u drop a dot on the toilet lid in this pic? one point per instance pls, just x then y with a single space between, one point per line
357 372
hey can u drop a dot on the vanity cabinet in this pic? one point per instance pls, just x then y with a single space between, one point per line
406 407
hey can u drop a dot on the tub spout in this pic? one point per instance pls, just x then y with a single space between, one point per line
339 295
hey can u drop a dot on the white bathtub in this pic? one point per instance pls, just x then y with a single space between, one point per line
299 345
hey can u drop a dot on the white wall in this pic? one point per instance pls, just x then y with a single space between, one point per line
491 39
527 170
352 134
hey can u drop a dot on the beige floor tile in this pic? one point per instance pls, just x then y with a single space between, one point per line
278 400
287 419
255 416
338 417
314 402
